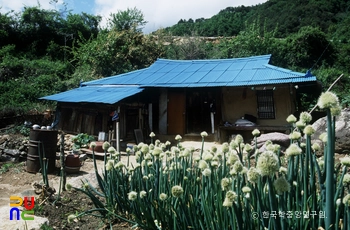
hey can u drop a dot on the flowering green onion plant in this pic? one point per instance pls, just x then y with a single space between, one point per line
232 187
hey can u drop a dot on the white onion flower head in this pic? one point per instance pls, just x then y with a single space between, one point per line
239 139
151 135
203 164
157 151
232 158
345 161
291 119
227 203
225 147
253 175
187 152
132 195
267 163
143 194
300 125
246 189
346 179
111 150
231 195
295 135
144 149
305 117
226 183
328 100
237 167
281 185
204 134
119 165
336 111
206 172
346 200
106 145
316 147
309 130
109 165
293 150
323 137
208 156
92 145
178 138
283 170
177 191
256 132
163 196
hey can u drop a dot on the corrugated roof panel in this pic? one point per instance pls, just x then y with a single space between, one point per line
95 94
229 75
182 67
171 76
208 66
224 65
245 75
152 78
169 67
212 76
195 77
195 66
179 78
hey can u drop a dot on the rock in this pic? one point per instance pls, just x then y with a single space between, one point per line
281 139
277 138
12 152
82 157
342 131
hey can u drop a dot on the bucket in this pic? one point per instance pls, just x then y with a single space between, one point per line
47 140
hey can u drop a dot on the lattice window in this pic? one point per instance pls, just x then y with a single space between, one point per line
266 105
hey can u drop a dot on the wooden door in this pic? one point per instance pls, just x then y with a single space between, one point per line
176 113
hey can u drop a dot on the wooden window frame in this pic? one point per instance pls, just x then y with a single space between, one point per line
266 104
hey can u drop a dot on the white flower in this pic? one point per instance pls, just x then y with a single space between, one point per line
206 172
132 195
177 191
267 163
204 134
143 194
178 138
291 119
163 196
328 100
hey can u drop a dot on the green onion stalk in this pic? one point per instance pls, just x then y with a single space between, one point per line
330 182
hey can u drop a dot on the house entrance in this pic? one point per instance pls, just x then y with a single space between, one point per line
198 108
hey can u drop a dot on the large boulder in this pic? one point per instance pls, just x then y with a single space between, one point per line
281 139
342 131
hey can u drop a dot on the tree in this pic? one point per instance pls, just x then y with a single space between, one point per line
126 20
115 52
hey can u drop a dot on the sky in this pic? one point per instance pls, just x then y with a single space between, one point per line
158 13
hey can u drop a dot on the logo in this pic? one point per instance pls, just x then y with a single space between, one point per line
15 202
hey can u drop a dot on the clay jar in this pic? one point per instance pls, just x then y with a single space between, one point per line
72 160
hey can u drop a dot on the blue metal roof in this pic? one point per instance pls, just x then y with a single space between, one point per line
247 71
95 94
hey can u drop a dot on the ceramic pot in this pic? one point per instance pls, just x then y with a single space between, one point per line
72 160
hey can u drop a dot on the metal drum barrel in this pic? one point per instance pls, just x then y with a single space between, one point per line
46 140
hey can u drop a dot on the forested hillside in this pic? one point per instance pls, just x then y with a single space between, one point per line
284 16
43 52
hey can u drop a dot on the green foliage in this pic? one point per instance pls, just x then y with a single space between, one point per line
115 52
129 19
82 140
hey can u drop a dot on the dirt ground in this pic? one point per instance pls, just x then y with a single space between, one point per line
15 180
